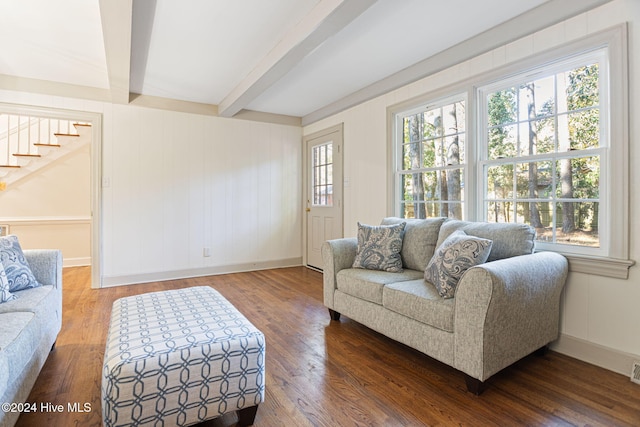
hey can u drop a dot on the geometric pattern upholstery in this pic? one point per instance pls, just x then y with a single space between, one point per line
179 357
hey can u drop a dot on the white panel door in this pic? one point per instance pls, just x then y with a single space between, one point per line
324 192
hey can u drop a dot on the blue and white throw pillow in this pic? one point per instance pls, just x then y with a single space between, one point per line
458 253
379 247
16 267
5 294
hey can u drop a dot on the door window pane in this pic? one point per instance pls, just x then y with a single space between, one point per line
322 174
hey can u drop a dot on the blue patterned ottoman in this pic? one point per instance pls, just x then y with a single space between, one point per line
180 357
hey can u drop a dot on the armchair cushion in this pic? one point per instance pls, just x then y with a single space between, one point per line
5 294
453 257
379 247
15 264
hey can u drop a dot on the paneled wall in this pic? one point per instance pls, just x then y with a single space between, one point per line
178 183
600 318
174 184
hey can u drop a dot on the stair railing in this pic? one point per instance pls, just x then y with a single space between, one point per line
22 135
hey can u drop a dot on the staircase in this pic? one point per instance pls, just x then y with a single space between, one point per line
27 144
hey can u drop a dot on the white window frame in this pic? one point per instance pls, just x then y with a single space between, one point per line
604 214
398 171
611 259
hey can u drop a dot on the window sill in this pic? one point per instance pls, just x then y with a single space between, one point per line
607 267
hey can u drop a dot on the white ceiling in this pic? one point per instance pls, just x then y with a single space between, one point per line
301 58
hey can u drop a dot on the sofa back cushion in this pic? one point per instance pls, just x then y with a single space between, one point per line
420 239
508 239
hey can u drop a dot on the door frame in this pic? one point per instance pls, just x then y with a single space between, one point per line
95 172
306 170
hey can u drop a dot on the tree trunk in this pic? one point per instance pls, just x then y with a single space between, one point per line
453 176
533 167
566 188
417 184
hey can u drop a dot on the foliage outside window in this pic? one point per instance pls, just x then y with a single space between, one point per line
543 148
431 170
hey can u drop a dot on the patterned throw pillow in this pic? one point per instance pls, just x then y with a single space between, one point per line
379 247
453 257
5 295
19 273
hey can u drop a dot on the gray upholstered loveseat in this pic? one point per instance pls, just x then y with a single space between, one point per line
29 326
502 309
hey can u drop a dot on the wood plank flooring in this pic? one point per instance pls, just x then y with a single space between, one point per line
325 373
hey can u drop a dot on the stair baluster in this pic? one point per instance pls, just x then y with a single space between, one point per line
32 130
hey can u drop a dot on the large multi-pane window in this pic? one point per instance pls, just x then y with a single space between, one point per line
543 141
431 161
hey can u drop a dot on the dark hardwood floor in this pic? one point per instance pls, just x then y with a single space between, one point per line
327 373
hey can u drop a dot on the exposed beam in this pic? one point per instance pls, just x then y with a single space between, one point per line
25 84
543 16
144 13
116 19
325 20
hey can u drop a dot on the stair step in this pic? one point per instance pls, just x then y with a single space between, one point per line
20 165
39 144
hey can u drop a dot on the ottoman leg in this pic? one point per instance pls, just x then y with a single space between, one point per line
246 416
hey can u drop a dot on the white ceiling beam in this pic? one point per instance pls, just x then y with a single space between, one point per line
116 19
325 20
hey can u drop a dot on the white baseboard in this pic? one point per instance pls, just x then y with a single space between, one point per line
76 262
109 281
604 357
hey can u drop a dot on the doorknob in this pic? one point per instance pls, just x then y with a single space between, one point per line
308 209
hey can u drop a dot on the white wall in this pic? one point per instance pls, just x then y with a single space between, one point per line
180 182
600 316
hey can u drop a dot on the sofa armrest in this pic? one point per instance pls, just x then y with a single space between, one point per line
336 255
505 310
46 265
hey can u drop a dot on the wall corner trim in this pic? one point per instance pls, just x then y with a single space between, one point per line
595 354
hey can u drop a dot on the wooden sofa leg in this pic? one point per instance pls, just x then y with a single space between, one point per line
246 416
541 351
474 385
334 315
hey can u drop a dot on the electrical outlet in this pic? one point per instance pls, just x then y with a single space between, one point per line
635 372
206 252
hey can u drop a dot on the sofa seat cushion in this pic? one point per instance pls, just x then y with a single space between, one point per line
368 284
4 372
29 300
19 339
419 300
